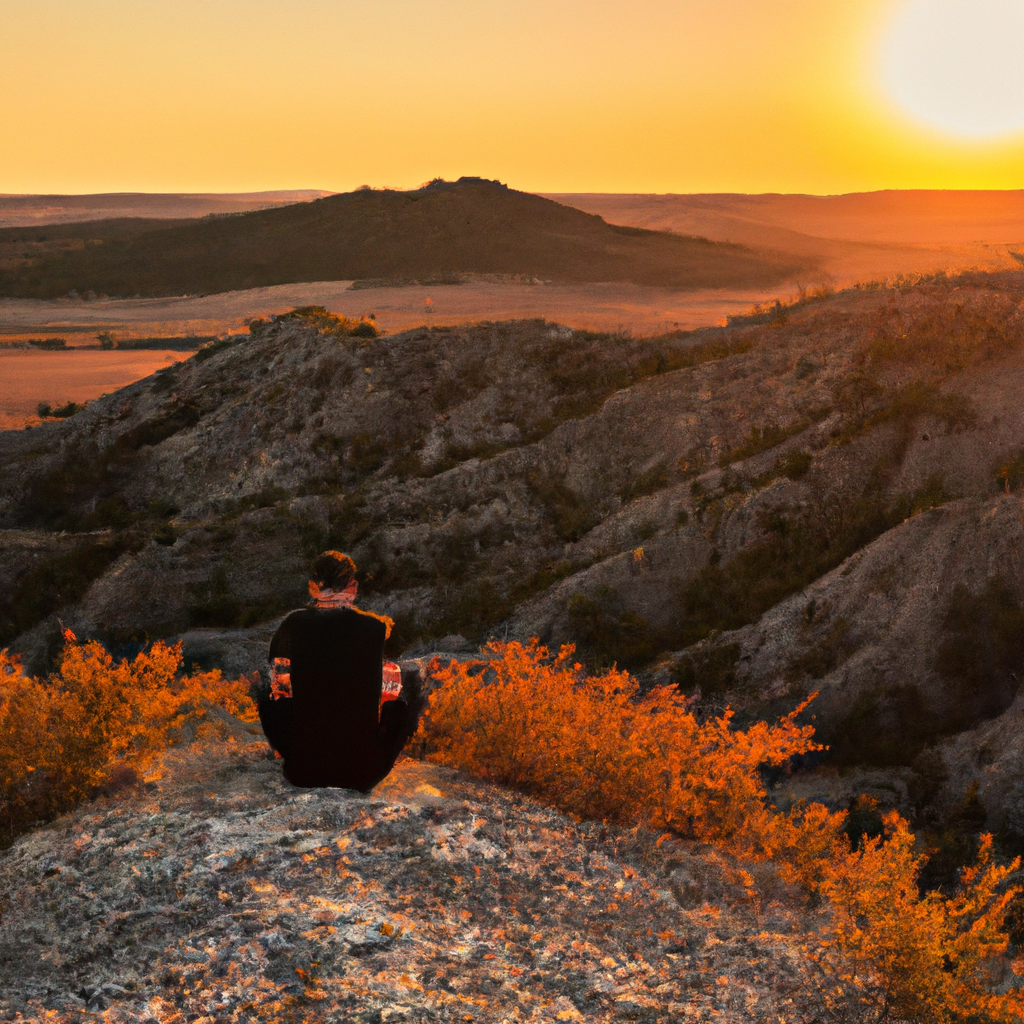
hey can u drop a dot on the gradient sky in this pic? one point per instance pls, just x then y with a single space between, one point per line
819 96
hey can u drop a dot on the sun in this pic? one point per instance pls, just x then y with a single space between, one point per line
958 65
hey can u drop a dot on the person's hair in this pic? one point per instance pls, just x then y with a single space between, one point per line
333 570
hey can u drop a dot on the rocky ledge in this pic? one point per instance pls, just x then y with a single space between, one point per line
218 892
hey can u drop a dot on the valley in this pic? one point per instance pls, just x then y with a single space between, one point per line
819 497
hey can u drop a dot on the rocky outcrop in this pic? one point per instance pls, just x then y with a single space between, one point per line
217 891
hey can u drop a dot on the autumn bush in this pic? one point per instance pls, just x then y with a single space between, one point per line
93 722
596 747
931 957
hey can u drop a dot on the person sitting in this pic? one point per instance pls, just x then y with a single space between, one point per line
326 714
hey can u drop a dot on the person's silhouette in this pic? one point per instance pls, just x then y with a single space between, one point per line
324 714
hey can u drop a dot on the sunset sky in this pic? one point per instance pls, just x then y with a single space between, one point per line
547 95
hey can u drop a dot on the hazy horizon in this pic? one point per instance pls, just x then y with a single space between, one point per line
656 97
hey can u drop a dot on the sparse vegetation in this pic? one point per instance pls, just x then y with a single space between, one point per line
801 546
762 439
648 482
569 516
56 583
829 651
980 657
947 337
983 652
60 412
610 633
325 322
711 670
1010 475
868 404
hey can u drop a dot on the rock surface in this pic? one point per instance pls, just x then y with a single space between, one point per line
218 892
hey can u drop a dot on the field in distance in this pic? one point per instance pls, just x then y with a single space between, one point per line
849 238
31 210
29 377
33 376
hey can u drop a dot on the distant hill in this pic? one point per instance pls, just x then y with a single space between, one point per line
892 216
471 226
32 210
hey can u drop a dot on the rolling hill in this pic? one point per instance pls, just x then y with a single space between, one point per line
891 216
438 232
854 237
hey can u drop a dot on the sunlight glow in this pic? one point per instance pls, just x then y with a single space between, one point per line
547 95
956 65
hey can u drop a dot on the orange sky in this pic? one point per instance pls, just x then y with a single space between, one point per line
547 95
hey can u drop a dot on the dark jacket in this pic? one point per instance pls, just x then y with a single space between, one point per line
330 731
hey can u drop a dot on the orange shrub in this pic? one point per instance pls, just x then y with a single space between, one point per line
929 958
62 738
595 747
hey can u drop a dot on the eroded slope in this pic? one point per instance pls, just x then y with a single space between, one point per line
634 496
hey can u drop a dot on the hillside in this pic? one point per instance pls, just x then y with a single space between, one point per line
441 230
904 216
855 237
821 497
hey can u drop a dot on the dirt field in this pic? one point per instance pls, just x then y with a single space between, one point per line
30 377
594 306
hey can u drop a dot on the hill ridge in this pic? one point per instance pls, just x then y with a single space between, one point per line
471 225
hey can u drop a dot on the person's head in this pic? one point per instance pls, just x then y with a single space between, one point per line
333 574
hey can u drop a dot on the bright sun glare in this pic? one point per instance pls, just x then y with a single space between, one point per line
958 65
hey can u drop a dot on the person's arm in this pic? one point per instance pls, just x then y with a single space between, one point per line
279 657
399 719
276 714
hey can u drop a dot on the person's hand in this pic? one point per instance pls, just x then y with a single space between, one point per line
280 678
391 685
